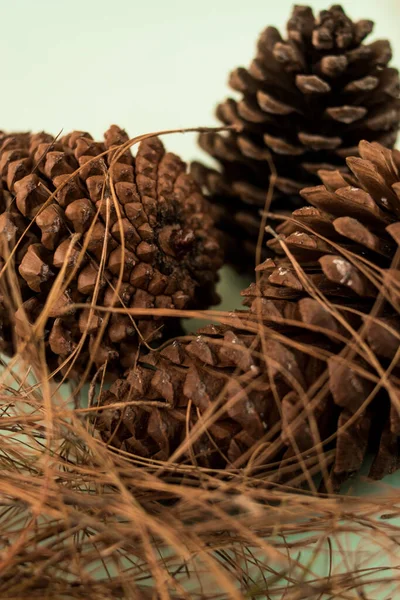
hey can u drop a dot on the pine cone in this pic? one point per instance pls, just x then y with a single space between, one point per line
170 256
346 247
306 102
214 399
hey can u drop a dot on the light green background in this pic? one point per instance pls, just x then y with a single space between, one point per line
146 65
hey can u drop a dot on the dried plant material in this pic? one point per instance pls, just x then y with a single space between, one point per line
306 102
191 493
80 518
78 521
86 222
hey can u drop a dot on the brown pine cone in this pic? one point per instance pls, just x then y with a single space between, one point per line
284 408
306 102
345 251
148 204
214 400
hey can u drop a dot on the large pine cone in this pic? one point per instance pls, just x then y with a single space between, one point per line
344 251
214 401
144 215
326 375
306 102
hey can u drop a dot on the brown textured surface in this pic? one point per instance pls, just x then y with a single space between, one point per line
307 100
171 252
219 379
346 246
286 397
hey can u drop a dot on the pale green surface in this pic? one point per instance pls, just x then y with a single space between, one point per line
147 65
84 64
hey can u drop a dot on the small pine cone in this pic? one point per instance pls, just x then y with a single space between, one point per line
345 246
306 102
99 212
212 402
